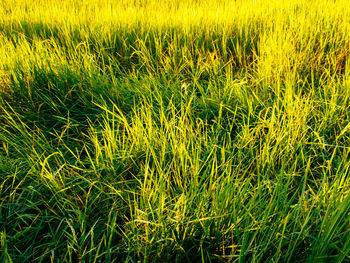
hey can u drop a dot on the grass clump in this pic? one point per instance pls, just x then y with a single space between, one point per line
186 131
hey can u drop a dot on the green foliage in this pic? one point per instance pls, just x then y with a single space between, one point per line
185 131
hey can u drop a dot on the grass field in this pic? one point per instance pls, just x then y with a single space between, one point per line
174 131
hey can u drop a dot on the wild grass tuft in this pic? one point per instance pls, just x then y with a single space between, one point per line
185 131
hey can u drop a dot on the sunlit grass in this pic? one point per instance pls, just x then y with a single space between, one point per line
181 131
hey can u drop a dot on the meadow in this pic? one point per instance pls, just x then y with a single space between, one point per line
174 131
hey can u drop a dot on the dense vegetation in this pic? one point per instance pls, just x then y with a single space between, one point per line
179 131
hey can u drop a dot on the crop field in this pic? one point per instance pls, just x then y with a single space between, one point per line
174 131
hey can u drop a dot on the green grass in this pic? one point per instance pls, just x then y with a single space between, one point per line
186 131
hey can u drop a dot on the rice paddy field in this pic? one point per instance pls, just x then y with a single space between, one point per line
174 131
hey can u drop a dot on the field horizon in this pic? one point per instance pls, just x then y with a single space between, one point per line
174 131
